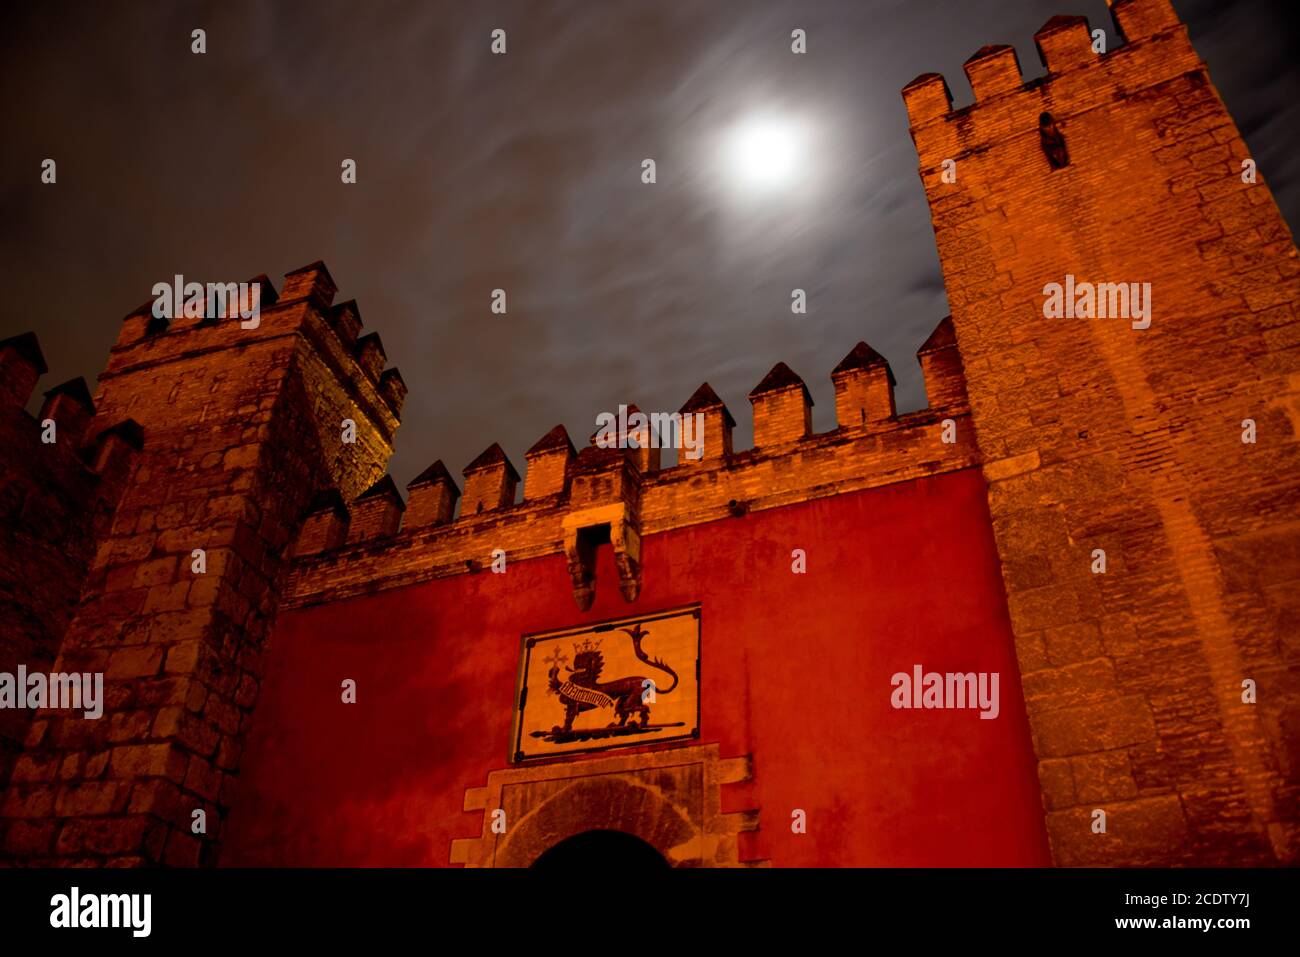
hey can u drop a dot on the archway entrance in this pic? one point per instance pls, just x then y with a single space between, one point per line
670 799
601 849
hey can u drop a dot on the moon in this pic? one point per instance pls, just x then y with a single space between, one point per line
766 153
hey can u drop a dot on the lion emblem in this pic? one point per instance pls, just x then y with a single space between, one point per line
582 690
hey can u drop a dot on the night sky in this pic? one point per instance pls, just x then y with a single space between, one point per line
523 172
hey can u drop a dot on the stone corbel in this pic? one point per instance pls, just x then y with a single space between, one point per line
626 539
583 532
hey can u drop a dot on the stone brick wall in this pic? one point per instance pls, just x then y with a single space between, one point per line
1098 435
242 428
55 499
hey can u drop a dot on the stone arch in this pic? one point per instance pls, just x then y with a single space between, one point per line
605 803
670 798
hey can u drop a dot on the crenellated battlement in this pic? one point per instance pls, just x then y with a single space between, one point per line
569 494
370 543
304 306
83 449
1156 49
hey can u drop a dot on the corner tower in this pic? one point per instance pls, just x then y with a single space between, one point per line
1144 480
242 428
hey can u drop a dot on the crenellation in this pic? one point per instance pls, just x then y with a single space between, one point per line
1064 43
927 98
548 464
370 355
71 408
393 388
678 497
490 482
718 426
361 399
641 442
941 368
372 394
1143 19
376 513
325 526
312 282
21 367
430 498
782 408
992 71
288 413
1079 81
864 388
345 320
1133 550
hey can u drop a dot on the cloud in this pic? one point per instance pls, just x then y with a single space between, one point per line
521 172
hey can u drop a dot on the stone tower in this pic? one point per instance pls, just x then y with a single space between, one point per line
1162 677
239 431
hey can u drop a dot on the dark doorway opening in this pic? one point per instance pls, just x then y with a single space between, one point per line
601 849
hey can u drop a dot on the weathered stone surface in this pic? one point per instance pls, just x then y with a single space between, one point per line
1099 435
180 650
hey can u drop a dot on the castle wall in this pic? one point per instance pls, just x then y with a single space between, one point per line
1159 690
55 500
795 672
240 427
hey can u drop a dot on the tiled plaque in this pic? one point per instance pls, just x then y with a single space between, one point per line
614 685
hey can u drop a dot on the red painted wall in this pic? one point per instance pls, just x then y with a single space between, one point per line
795 671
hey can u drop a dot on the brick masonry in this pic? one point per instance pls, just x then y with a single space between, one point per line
56 499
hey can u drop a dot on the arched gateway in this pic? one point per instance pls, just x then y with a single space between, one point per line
663 804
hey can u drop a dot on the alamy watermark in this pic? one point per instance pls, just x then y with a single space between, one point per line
130 911
78 692
658 430
931 689
216 300
1102 300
